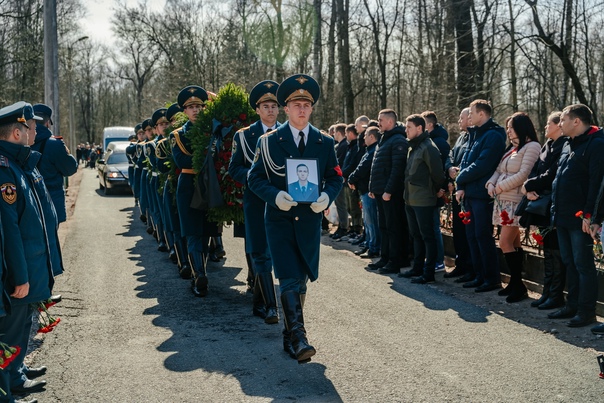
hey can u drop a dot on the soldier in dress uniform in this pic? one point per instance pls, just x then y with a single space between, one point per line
191 99
165 163
56 162
294 231
133 150
26 255
263 99
129 154
144 188
159 123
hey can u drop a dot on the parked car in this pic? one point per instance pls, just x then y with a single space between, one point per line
112 168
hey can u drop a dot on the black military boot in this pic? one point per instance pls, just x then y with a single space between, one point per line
169 237
270 299
258 307
518 292
287 340
199 283
251 277
294 320
219 251
558 282
184 266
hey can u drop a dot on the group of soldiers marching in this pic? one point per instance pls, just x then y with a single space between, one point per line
280 233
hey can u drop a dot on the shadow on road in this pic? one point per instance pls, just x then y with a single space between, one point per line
218 334
445 294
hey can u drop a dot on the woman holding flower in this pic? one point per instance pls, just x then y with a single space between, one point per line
505 186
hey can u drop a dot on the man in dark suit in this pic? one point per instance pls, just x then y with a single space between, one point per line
293 230
303 190
263 99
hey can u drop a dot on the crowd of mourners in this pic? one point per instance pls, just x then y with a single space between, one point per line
399 175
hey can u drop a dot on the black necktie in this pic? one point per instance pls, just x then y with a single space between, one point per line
301 145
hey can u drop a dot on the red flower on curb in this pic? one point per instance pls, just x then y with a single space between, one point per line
8 354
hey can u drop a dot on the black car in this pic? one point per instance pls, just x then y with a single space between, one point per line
113 168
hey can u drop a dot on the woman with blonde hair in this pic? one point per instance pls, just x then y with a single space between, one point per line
505 185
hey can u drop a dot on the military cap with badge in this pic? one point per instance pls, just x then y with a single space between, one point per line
298 87
264 91
44 111
14 113
192 95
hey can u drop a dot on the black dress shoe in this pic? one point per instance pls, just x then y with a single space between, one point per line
564 313
422 280
410 273
539 301
163 247
456 272
552 303
390 268
581 320
472 284
29 386
369 255
361 251
33 373
487 287
379 264
466 278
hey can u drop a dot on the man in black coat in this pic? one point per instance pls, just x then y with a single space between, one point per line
340 202
386 187
575 213
351 161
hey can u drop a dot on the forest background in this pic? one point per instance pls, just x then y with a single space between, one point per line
409 55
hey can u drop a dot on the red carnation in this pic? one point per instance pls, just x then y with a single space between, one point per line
338 170
242 116
579 214
587 216
461 214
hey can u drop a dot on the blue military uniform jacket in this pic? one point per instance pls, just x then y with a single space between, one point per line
54 165
310 193
191 220
26 250
244 149
294 236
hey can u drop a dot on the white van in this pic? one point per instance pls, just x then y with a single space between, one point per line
116 133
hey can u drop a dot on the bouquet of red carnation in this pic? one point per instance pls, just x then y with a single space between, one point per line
46 322
464 215
8 354
586 216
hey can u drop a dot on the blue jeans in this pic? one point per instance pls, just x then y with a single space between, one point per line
576 249
373 238
440 247
421 228
480 239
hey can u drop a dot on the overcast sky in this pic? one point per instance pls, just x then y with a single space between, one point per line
97 24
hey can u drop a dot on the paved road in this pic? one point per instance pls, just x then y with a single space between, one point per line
131 331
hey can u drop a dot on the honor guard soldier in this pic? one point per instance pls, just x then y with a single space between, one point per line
294 230
133 158
144 188
159 123
26 256
138 167
165 162
56 162
263 99
191 99
129 153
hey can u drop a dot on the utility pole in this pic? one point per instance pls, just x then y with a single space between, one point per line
51 63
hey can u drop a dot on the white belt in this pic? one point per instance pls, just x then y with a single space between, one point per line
154 174
145 169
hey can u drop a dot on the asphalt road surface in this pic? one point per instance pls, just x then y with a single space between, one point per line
131 331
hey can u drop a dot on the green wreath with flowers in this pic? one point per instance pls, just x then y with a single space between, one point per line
222 117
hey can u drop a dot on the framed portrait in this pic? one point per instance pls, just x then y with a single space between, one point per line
302 176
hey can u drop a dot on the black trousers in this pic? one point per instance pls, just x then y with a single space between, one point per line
394 229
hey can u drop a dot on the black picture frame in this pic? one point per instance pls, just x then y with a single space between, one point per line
308 191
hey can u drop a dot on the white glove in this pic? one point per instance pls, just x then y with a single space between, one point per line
321 203
285 201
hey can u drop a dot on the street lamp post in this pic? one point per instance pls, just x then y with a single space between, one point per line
72 139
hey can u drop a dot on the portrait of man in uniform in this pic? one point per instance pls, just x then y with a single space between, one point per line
302 180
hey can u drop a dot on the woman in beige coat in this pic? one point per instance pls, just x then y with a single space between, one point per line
506 187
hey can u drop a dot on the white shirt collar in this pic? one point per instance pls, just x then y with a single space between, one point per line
296 133
265 127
